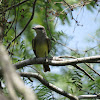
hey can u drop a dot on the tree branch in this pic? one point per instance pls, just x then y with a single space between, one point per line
84 63
13 6
89 96
56 89
78 67
25 25
92 69
49 85
56 61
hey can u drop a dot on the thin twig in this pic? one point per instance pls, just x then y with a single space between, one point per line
78 67
92 48
92 69
14 6
68 5
25 25
64 45
46 18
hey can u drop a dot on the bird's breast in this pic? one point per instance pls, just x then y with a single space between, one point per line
42 49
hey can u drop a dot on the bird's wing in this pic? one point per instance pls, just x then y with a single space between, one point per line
34 45
49 44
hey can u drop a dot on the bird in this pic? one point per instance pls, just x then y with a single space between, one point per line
41 44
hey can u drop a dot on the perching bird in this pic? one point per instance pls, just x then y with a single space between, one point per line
41 44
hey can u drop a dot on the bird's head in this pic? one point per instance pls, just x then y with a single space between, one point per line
39 29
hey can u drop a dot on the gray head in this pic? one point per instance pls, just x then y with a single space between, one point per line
39 29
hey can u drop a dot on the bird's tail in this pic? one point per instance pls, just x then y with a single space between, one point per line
46 67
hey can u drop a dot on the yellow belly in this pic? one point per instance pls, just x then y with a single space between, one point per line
42 50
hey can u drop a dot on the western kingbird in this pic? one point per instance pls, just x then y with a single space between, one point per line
41 44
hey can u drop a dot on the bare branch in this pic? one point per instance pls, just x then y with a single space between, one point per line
49 85
56 61
25 25
89 97
56 89
84 63
78 67
14 6
68 5
92 69
64 45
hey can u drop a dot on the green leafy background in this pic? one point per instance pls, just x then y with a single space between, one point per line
47 13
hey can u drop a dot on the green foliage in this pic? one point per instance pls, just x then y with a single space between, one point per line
44 93
47 14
